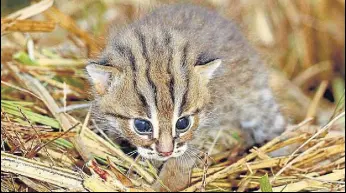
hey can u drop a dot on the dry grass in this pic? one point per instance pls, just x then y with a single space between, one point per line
46 138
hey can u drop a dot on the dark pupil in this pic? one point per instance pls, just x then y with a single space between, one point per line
143 126
183 124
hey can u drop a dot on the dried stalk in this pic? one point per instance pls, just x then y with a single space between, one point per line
32 10
10 25
43 172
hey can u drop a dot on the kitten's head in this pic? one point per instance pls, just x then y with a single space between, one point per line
152 88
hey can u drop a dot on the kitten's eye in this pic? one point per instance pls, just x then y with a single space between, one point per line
143 127
183 124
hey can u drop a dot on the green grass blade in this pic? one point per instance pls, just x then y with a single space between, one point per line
24 58
12 109
265 184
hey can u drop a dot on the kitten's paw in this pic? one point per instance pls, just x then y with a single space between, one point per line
172 184
174 177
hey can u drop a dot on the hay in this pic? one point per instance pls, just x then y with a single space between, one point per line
47 142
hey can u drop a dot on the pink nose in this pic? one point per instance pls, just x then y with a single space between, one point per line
165 154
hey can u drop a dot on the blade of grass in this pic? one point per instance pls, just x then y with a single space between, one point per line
34 117
265 184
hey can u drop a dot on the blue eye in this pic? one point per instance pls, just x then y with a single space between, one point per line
143 127
183 124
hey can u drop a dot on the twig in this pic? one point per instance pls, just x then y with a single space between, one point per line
37 170
74 107
226 171
31 10
324 129
20 89
215 141
301 185
26 26
317 98
37 136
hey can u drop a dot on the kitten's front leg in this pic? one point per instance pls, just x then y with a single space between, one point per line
175 175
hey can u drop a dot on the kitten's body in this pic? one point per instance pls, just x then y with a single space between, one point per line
163 67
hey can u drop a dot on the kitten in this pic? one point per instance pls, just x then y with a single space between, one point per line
167 79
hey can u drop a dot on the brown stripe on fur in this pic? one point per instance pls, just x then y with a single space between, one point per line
168 40
184 69
118 116
143 45
126 52
161 78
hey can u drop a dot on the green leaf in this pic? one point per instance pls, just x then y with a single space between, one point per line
17 103
265 184
64 143
24 58
11 107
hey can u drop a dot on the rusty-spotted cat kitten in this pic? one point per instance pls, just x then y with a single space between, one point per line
165 79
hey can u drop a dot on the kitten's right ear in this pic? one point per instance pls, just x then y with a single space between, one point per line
101 76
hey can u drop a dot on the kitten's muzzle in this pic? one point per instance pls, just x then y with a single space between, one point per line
165 146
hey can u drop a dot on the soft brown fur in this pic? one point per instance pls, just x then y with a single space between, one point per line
169 59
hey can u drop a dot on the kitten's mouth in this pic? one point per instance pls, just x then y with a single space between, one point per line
153 155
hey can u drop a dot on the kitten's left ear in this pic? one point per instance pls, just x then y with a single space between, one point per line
207 70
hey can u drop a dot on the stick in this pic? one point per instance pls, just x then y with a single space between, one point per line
37 170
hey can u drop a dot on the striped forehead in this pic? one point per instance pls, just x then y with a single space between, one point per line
159 68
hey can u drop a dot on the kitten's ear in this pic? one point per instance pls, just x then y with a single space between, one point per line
101 76
207 70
